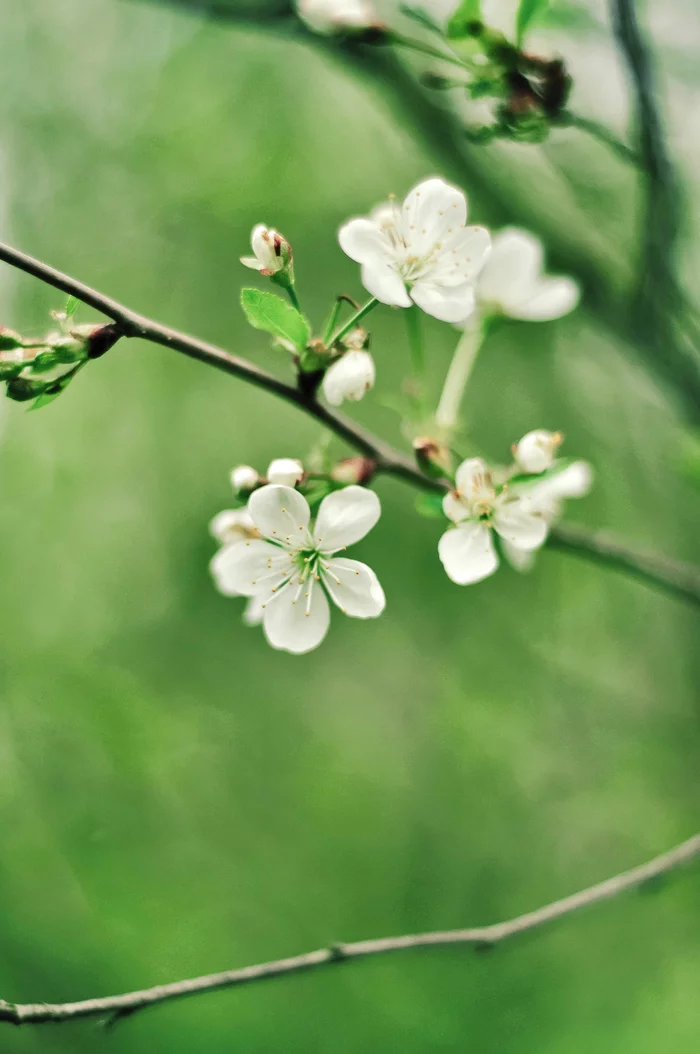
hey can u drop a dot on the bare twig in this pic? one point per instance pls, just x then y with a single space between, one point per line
115 1006
663 573
679 578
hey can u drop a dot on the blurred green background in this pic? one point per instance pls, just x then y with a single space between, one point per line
176 797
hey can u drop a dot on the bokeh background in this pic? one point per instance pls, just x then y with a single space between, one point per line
177 798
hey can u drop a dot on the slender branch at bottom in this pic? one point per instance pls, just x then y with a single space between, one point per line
114 1007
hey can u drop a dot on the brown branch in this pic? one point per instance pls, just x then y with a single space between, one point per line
674 578
115 1006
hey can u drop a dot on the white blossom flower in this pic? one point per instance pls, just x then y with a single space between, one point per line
286 471
272 251
293 569
244 477
333 16
544 498
513 283
421 251
467 551
349 377
536 451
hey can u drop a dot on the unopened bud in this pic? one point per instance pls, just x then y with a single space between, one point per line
233 525
354 470
273 253
244 478
9 340
433 458
21 389
537 450
349 377
285 471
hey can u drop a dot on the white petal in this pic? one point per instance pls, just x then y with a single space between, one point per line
574 481
535 451
346 516
520 525
382 281
473 480
430 209
280 513
362 240
254 611
296 623
349 378
247 568
354 587
520 559
252 262
512 268
467 553
462 256
453 304
454 508
551 298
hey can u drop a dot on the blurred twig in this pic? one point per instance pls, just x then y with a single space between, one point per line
116 1006
673 357
598 131
663 573
660 309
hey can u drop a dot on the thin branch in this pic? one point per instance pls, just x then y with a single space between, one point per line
600 132
115 1006
678 579
657 570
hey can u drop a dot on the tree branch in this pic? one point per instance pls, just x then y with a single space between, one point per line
116 1006
678 579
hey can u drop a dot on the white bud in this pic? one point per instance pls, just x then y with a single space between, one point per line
244 477
285 471
273 252
537 450
349 377
232 525
334 16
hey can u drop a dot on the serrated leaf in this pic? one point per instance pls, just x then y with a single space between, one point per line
528 12
274 315
430 506
468 12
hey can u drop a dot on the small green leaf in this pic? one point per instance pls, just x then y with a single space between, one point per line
44 399
430 506
72 305
464 21
528 12
274 315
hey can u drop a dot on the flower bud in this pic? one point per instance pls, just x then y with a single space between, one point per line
233 525
354 470
244 477
537 450
338 16
349 377
285 471
433 458
273 253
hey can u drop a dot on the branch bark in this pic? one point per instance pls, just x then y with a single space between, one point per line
671 577
114 1007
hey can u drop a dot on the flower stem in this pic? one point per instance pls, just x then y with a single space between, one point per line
292 294
458 376
354 320
426 49
332 320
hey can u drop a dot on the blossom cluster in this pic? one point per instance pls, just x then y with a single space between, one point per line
282 545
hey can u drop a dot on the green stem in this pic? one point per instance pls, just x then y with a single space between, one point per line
458 375
354 320
415 342
292 294
426 49
332 320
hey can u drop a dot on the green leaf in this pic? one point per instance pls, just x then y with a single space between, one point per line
72 305
44 399
528 12
274 315
464 20
430 506
421 17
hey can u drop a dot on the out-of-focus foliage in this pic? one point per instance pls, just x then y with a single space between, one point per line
177 798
